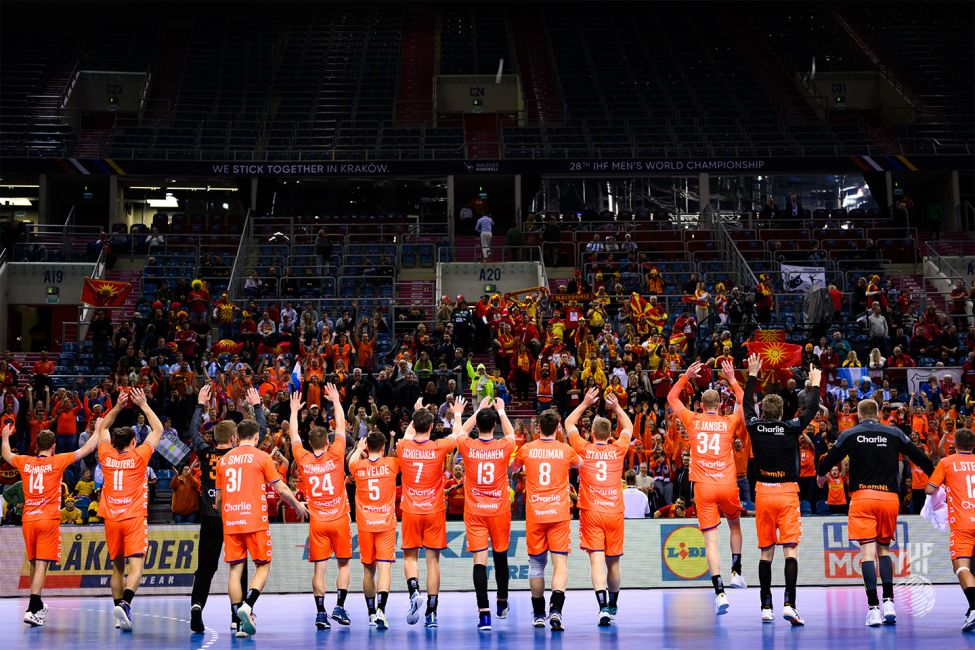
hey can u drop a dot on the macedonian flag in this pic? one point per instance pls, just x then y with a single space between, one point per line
770 336
776 355
104 293
776 376
638 306
657 316
226 346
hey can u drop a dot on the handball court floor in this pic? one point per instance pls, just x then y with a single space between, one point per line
660 618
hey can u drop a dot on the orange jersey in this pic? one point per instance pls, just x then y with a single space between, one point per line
918 478
421 464
600 488
837 491
807 462
42 476
323 480
712 451
547 464
845 422
957 473
375 493
125 494
486 490
241 476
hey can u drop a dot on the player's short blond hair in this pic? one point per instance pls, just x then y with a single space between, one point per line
601 428
224 431
710 399
45 440
772 407
867 410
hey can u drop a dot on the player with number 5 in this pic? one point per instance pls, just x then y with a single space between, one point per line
487 501
323 482
713 473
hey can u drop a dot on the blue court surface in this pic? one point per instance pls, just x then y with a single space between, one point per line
658 619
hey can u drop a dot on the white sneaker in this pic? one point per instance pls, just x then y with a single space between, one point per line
737 581
969 622
768 616
372 620
791 615
874 617
416 602
381 620
33 619
890 614
43 613
720 604
247 625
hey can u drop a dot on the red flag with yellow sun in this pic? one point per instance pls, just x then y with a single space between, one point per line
776 355
105 293
769 336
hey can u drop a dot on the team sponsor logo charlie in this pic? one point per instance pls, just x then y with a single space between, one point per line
682 549
842 557
170 560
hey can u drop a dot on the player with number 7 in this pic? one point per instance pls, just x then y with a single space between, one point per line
323 482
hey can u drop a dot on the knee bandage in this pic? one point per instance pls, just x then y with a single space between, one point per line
962 568
536 566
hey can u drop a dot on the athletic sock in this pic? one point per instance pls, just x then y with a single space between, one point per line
35 604
252 596
869 570
481 587
340 599
718 584
501 574
885 567
538 606
765 582
371 604
383 596
556 602
234 617
602 597
128 596
413 584
791 577
320 604
736 563
117 601
969 594
431 604
614 597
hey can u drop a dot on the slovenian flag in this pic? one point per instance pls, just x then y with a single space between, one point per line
296 378
851 375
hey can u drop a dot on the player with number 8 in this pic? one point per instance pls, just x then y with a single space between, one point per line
323 482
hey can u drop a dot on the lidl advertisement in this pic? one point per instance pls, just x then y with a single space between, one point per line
656 554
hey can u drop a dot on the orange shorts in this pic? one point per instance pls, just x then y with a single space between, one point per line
712 500
236 546
479 528
777 514
127 538
42 538
424 531
377 547
548 536
962 544
324 537
601 531
873 517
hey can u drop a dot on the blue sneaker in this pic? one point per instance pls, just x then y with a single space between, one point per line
381 620
612 611
502 609
484 623
321 621
247 625
416 602
340 616
123 614
431 620
604 618
555 620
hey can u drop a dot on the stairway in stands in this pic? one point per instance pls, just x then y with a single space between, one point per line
167 73
514 410
481 143
133 277
535 65
465 248
409 291
916 284
414 95
951 244
92 143
48 107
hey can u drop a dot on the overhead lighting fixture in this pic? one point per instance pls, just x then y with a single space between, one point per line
168 202
5 185
225 206
17 201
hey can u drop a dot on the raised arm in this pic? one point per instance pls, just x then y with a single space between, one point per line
332 393
138 398
673 397
6 433
809 413
591 397
458 410
728 371
509 431
296 406
102 432
254 399
199 444
626 425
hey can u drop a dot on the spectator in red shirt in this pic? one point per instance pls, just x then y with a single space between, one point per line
67 427
199 301
676 511
837 297
899 360
454 489
42 369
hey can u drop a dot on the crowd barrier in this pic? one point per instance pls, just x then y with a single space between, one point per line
657 553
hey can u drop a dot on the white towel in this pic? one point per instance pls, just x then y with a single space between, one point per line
935 509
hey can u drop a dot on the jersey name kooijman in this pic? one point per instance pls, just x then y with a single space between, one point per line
874 440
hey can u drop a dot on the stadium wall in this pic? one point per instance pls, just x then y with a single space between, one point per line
657 553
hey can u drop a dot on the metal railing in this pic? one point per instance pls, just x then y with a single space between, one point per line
498 253
944 266
735 259
235 283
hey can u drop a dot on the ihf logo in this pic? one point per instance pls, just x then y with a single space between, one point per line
915 593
